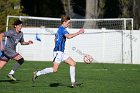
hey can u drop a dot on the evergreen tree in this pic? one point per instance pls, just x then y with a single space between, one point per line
9 7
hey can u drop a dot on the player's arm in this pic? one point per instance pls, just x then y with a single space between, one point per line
1 42
1 35
22 42
69 36
27 43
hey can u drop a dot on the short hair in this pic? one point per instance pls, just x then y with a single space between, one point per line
17 22
64 18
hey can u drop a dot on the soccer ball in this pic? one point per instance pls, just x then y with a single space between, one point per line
88 59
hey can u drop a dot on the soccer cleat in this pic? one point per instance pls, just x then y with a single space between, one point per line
75 84
34 76
11 77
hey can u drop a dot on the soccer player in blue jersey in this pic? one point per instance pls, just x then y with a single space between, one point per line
59 55
8 50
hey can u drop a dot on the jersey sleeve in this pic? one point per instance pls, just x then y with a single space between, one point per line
7 34
65 32
22 39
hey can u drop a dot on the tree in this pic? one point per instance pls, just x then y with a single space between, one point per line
91 12
43 8
9 7
136 13
112 9
101 6
130 9
126 8
67 7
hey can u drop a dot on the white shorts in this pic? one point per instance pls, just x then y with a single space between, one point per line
59 56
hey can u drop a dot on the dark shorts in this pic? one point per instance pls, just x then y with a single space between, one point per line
6 55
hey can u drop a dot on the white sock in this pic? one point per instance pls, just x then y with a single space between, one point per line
45 71
72 73
12 72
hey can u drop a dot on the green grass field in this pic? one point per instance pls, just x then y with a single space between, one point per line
96 78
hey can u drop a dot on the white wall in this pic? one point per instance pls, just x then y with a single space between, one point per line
106 47
136 47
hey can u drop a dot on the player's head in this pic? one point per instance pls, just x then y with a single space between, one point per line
65 20
18 24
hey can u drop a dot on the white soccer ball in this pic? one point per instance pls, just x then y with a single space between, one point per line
88 59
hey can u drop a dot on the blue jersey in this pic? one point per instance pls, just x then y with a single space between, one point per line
60 39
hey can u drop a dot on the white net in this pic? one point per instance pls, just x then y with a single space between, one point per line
115 24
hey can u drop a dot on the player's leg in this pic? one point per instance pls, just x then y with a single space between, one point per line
48 70
2 63
72 64
19 61
3 60
42 72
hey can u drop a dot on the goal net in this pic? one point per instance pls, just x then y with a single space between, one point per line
103 38
114 23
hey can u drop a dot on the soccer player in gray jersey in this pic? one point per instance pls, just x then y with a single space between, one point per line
9 49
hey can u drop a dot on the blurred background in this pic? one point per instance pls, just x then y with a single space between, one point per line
83 9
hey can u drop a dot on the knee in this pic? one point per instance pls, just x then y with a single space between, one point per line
2 64
73 64
1 67
21 61
70 61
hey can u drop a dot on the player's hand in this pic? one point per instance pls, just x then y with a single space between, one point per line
81 31
30 42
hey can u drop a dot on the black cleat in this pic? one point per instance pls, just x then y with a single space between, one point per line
75 84
34 76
